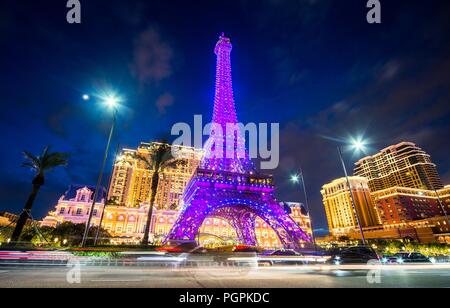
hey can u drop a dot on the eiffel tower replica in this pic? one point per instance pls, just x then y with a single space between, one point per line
228 186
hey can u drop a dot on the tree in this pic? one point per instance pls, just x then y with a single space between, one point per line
40 165
344 238
73 233
160 159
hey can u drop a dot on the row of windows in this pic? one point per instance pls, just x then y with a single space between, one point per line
78 212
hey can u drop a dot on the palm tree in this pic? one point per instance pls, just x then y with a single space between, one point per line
160 159
40 165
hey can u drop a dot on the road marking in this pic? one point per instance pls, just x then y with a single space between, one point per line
4 272
116 280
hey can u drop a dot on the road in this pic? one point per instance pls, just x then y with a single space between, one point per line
225 277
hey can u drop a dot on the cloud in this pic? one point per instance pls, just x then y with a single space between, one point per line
152 57
163 102
389 70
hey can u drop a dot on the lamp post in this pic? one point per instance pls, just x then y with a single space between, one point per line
359 146
97 234
112 103
296 179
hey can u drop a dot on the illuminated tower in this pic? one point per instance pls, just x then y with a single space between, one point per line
226 186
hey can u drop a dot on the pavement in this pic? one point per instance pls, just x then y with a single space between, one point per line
79 276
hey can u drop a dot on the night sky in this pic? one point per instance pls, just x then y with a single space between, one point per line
314 66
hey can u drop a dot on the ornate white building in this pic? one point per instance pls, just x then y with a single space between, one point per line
74 206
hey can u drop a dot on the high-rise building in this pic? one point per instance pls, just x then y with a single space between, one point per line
400 165
338 205
131 178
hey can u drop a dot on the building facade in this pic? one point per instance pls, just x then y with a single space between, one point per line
131 179
425 231
339 209
9 219
400 165
74 206
398 205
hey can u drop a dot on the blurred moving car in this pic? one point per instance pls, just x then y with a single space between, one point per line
178 246
281 257
353 255
406 257
245 248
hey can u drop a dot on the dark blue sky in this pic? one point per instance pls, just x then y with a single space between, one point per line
314 66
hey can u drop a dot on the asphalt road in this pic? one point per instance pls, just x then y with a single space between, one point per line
226 277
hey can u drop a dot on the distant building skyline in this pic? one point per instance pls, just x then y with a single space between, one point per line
400 183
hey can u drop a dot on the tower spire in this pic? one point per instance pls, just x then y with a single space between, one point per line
225 149
224 108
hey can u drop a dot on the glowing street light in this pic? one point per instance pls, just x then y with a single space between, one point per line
295 179
359 145
112 102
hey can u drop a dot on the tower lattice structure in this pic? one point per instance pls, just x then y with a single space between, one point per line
226 185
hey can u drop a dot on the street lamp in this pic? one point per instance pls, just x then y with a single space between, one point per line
295 179
359 145
97 234
112 102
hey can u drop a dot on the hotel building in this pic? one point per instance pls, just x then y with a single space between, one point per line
398 205
400 165
131 179
339 209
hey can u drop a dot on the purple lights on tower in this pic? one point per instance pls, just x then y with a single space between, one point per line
224 110
227 186
225 149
